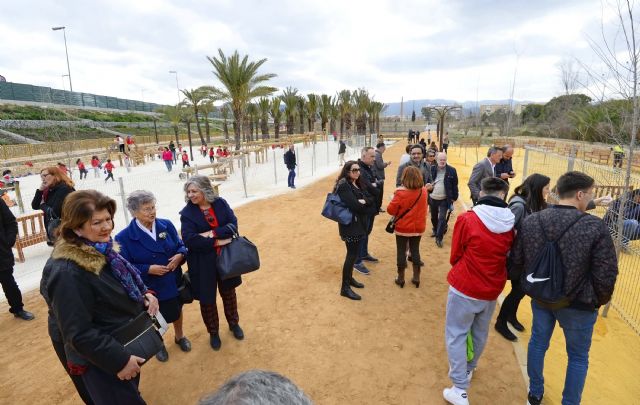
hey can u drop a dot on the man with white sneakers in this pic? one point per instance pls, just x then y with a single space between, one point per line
481 239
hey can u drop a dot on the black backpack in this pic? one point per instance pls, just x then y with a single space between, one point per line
544 280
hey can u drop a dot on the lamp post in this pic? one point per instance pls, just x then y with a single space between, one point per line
66 51
63 86
177 86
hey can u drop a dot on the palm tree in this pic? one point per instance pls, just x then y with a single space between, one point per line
252 113
344 106
374 110
276 114
290 100
360 99
173 114
301 112
263 106
325 102
193 98
241 84
334 115
207 108
312 110
224 111
187 116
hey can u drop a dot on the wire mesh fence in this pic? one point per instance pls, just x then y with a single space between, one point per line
609 182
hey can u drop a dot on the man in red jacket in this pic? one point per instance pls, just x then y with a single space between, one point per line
481 239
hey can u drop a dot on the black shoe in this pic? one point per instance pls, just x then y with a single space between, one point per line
355 283
369 258
503 329
416 283
214 341
532 400
348 292
237 331
433 234
439 243
162 355
411 260
25 315
516 325
184 343
49 243
398 282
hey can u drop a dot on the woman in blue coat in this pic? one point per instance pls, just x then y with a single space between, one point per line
152 245
205 231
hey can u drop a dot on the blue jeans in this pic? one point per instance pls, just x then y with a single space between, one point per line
630 231
577 327
291 178
168 164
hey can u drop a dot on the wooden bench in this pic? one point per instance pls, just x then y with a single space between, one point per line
599 156
31 231
601 190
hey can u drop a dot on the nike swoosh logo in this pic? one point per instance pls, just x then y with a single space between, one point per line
532 279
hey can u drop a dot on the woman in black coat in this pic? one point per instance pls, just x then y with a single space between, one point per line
353 195
55 187
205 230
91 292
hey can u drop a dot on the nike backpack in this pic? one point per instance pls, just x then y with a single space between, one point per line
544 280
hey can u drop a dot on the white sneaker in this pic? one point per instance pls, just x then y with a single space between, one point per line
455 396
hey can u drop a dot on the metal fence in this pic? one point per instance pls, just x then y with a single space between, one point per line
609 181
39 94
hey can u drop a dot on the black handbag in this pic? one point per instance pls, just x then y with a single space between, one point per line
53 224
238 257
185 293
140 336
391 226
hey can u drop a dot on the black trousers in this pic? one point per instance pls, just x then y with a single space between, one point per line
438 210
76 379
401 248
11 290
349 260
509 307
109 176
381 187
108 389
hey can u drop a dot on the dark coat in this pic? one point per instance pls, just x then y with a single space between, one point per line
480 171
290 160
504 166
586 249
350 194
450 181
8 234
202 257
142 251
87 303
342 147
423 167
55 198
370 185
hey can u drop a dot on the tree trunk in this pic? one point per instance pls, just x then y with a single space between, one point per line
225 130
341 126
301 123
265 128
207 130
190 142
276 128
236 128
175 130
198 125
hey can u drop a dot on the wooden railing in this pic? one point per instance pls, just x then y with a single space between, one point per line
31 231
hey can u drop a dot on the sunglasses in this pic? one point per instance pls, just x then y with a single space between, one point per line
354 170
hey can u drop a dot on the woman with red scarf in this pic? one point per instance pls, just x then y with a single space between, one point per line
54 188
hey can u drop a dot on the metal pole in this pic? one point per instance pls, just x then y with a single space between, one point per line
64 34
19 196
327 141
298 161
124 200
313 159
275 172
244 177
526 162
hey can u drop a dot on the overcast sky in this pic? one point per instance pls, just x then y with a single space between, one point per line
413 49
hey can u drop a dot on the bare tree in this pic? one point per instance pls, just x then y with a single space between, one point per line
569 75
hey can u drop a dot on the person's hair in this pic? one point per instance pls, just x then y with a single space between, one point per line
418 146
165 148
78 208
78 161
380 145
366 149
203 184
257 387
6 172
431 152
60 176
344 173
531 191
412 178
493 186
108 160
506 148
139 198
493 150
407 149
571 182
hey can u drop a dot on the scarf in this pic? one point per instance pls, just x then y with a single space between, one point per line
124 271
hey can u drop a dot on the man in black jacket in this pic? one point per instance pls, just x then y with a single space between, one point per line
441 198
371 186
8 234
590 270
290 162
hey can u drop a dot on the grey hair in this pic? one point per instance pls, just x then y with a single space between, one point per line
493 150
203 184
257 387
139 198
366 149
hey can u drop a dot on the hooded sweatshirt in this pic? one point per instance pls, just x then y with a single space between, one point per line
482 237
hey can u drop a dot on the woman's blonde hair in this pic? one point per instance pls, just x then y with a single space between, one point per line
60 176
412 178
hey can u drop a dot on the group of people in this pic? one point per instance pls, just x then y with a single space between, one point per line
94 283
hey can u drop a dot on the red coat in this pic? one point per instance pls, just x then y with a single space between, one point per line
185 157
95 162
479 258
109 166
414 222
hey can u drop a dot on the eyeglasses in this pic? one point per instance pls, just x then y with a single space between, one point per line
44 176
148 209
354 170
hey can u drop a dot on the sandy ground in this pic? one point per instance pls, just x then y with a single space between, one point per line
386 349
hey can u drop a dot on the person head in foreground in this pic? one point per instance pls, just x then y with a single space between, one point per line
381 147
417 154
257 387
412 178
576 189
53 176
441 159
351 173
494 154
368 155
493 187
198 190
534 191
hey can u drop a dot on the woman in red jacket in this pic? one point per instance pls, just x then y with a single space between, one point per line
409 206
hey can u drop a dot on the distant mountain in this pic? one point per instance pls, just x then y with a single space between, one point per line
467 106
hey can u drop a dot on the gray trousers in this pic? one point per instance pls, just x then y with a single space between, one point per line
464 314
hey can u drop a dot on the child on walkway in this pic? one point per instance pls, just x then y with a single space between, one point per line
81 168
185 160
108 167
95 164
481 239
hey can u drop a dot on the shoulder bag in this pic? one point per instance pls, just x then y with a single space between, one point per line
185 293
140 336
391 226
336 210
238 257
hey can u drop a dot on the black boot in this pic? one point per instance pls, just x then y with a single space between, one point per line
346 291
355 283
503 329
416 275
516 324
400 278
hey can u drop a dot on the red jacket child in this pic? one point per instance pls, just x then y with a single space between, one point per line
414 222
185 157
108 167
481 239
